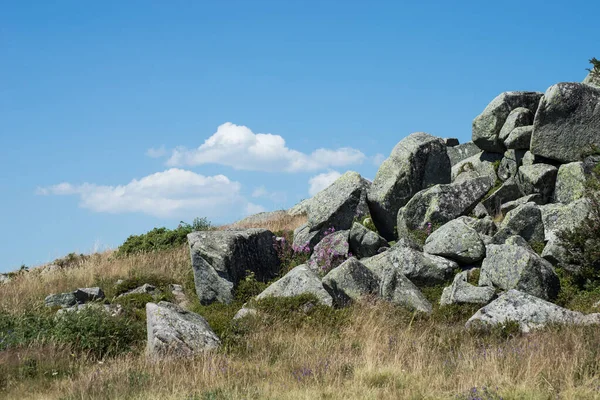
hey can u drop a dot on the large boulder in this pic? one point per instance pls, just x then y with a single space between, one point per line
482 164
220 259
570 182
337 206
511 162
300 280
517 118
416 162
538 178
528 311
508 191
519 138
350 281
333 248
512 266
420 268
440 204
395 287
462 292
567 122
558 216
172 331
458 153
457 241
488 124
364 242
525 221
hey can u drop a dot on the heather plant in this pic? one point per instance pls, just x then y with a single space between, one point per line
330 252
290 255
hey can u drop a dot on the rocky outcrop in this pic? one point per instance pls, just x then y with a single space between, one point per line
462 151
330 251
417 162
462 292
570 182
300 280
174 332
482 164
457 241
364 242
508 191
525 221
488 125
567 123
537 179
511 266
510 163
350 281
528 311
220 260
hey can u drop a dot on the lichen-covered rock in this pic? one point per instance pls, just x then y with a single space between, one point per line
300 208
509 266
112 310
511 205
220 260
558 216
570 182
303 237
172 331
567 122
463 151
457 241
83 295
488 124
146 288
537 178
461 292
350 281
528 311
509 191
484 226
517 118
592 79
420 268
337 206
62 300
395 287
482 164
512 160
364 242
333 248
300 280
525 221
416 162
440 204
519 138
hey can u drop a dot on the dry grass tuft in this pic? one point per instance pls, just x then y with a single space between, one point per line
274 221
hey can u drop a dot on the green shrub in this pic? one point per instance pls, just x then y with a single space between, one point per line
249 287
595 70
162 238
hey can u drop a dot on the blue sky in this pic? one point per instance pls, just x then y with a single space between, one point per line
116 117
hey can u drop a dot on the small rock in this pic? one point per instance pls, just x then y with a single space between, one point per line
461 292
83 295
63 300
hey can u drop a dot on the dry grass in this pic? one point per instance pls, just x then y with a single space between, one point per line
276 221
377 355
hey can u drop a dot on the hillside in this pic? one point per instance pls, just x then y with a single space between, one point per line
463 271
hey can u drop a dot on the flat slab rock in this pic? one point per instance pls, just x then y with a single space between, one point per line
172 331
300 280
528 311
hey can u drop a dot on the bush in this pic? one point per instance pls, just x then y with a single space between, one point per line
595 70
162 238
289 255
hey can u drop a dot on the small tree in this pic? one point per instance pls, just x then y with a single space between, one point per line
595 70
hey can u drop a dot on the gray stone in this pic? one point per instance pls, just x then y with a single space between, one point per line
487 125
463 151
220 260
300 280
519 138
483 226
420 268
564 216
508 191
440 204
567 122
350 281
300 208
461 292
338 205
62 300
525 221
330 251
364 242
457 241
245 312
83 295
528 158
397 288
304 238
451 142
480 211
179 295
146 288
570 182
517 118
112 310
512 160
172 331
416 162
482 164
511 205
592 79
528 311
538 178
509 266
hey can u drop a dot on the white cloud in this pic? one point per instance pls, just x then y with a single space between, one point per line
156 153
164 194
378 159
238 147
261 192
252 209
322 181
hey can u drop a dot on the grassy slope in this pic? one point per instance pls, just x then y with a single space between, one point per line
370 351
